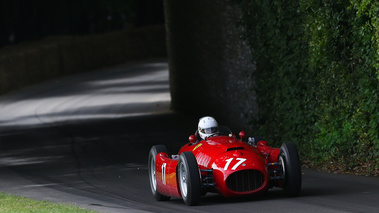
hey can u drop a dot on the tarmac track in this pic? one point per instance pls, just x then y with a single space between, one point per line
85 140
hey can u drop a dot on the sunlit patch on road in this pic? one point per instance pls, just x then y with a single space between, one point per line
17 161
123 92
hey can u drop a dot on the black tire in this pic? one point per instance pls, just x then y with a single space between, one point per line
189 179
151 167
291 169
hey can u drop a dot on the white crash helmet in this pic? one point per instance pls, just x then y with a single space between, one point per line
207 126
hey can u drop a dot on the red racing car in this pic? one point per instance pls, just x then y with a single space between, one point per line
223 164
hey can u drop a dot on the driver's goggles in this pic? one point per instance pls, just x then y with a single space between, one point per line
209 130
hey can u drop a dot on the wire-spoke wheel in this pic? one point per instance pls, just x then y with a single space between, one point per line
151 167
291 169
189 179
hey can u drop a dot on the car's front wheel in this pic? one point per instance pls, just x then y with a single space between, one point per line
291 170
151 167
189 179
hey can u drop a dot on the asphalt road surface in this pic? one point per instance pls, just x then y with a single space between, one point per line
85 140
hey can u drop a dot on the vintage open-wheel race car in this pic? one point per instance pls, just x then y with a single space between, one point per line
223 164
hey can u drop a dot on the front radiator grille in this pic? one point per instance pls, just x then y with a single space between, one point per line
245 180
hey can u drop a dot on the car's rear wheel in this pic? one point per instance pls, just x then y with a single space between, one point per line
291 170
151 165
189 179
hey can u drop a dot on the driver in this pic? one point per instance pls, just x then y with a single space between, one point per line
207 126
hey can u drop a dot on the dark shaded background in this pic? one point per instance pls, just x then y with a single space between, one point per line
22 20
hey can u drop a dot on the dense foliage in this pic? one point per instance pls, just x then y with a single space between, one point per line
317 78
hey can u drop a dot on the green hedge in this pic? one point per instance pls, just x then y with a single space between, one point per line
318 78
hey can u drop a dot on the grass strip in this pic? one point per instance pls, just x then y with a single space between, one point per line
13 203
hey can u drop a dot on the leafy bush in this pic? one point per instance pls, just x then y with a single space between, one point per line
318 78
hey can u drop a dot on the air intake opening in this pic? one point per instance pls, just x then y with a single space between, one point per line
245 180
234 148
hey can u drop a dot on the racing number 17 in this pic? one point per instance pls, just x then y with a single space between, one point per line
240 161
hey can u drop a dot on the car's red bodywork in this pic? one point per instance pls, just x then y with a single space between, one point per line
228 166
